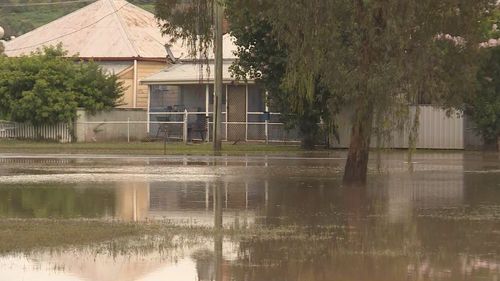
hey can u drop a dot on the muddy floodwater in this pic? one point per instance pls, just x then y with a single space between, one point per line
249 218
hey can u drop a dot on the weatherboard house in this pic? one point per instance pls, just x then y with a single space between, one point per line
124 39
160 77
186 87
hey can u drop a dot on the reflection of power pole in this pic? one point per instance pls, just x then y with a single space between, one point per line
218 207
219 18
218 231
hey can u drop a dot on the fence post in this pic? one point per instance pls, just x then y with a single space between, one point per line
128 129
267 132
267 119
185 128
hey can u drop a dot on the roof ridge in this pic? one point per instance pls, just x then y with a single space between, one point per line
104 28
54 21
122 27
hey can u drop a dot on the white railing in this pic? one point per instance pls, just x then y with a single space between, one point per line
256 128
59 132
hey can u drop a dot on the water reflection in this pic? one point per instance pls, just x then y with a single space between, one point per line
432 224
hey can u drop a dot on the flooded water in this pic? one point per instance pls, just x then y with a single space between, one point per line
283 218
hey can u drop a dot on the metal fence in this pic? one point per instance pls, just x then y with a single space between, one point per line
187 126
437 130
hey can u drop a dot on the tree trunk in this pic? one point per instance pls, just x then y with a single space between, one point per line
356 167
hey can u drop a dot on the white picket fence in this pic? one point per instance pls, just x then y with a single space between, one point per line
60 132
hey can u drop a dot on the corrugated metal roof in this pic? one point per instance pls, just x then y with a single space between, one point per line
103 29
190 73
229 49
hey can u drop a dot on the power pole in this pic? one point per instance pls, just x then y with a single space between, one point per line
219 18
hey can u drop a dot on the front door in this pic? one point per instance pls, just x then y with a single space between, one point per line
237 111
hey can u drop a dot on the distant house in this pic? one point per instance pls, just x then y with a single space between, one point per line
187 86
124 39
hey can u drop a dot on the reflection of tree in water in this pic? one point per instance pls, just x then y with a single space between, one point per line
56 202
344 234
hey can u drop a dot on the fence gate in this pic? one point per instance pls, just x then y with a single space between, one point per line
237 111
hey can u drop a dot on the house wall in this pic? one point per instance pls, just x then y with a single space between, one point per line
127 77
144 70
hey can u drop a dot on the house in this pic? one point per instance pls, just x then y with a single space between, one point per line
124 39
186 88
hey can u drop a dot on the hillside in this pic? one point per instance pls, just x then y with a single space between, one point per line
20 16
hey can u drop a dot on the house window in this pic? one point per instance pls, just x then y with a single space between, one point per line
256 99
163 96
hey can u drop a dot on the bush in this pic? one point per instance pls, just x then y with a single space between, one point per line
47 87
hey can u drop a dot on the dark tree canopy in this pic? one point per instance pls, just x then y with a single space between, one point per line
484 107
263 58
47 87
380 57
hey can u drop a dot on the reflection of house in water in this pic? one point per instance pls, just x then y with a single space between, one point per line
188 203
192 203
132 201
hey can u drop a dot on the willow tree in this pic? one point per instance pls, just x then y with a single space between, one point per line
262 57
380 56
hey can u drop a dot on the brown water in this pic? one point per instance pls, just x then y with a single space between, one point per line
439 222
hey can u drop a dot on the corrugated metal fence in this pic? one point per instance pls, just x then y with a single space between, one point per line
436 130
60 132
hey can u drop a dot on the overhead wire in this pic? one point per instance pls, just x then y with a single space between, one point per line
69 33
44 3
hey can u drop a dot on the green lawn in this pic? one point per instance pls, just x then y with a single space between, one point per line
140 148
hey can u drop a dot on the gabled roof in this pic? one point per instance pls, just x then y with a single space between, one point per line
110 29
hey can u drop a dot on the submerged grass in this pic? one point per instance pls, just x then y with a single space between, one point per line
26 235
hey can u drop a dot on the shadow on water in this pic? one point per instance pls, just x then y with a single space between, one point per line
440 222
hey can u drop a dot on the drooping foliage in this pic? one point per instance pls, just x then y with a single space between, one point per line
380 56
484 107
263 58
377 56
190 21
47 88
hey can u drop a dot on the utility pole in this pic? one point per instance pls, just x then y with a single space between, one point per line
219 18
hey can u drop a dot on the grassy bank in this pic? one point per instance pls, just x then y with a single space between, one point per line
140 148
